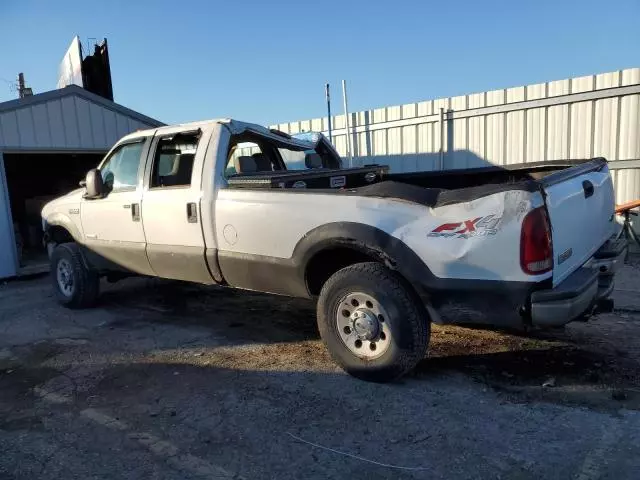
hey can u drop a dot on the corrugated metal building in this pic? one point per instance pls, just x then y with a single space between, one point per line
47 143
595 115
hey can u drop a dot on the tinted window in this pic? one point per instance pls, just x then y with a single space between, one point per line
121 168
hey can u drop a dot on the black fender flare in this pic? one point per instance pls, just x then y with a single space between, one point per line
366 239
60 220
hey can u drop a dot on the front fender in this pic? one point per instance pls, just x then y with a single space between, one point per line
57 219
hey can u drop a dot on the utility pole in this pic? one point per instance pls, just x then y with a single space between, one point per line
346 122
328 97
21 85
22 90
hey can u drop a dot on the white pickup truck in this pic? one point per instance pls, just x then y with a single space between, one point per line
231 203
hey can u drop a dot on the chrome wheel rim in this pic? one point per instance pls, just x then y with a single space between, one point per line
64 276
363 325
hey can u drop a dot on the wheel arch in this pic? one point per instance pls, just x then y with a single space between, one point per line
331 247
61 229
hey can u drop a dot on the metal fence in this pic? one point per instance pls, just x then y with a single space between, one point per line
595 115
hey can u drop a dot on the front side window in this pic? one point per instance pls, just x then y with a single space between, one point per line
120 171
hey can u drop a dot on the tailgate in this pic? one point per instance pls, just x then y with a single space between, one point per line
580 201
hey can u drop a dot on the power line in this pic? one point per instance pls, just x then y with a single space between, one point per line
12 85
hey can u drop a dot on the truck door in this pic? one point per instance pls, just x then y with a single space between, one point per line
171 205
112 225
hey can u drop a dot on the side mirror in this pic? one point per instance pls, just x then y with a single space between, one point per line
94 184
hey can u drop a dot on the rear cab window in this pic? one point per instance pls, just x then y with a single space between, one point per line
247 157
250 153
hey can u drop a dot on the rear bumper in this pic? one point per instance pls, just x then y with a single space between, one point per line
583 290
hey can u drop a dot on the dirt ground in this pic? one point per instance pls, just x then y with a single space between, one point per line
171 381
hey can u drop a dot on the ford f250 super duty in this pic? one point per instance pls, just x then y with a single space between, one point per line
230 203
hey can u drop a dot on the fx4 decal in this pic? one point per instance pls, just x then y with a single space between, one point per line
476 227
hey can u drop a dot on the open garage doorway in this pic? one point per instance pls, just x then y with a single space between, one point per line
33 179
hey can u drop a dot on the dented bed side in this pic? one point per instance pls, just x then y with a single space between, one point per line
461 248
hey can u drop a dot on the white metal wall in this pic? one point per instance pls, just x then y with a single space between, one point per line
595 115
66 123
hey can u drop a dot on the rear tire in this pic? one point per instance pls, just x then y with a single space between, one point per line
75 285
373 324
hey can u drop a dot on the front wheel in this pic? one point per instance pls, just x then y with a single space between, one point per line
374 326
75 285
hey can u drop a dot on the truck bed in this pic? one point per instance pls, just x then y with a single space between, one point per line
429 188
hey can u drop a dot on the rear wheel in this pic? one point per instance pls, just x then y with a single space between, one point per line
75 285
373 324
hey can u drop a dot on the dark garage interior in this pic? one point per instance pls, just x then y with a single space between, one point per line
33 180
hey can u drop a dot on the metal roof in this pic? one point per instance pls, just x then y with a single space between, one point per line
70 118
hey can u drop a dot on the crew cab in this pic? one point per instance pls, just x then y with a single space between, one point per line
230 203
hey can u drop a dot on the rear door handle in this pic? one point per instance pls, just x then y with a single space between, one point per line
135 212
192 212
587 186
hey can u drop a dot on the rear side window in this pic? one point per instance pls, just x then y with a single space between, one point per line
173 161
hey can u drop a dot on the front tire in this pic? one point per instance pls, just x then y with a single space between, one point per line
75 285
374 326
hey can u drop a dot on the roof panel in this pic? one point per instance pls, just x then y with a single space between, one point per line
84 122
97 125
56 122
110 125
26 128
70 121
10 133
41 124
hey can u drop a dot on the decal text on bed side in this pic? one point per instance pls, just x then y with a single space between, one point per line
475 227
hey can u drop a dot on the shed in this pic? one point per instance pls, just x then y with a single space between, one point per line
47 144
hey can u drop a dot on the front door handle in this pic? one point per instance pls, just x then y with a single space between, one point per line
192 212
135 212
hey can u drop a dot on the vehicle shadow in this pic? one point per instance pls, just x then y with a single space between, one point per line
522 366
245 315
285 331
557 366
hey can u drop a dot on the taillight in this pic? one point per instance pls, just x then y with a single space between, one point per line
536 250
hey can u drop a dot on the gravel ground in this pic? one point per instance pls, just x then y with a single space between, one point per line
171 381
